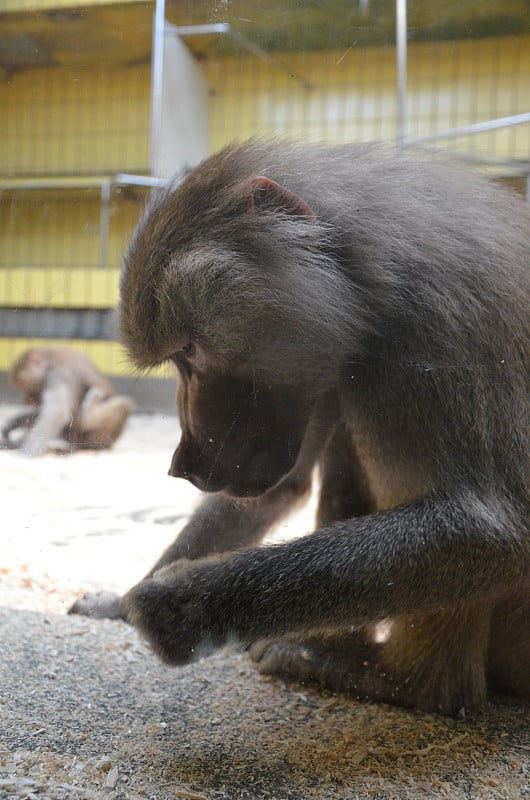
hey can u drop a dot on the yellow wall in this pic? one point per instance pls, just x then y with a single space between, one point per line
59 288
97 120
354 95
75 120
43 5
61 228
110 357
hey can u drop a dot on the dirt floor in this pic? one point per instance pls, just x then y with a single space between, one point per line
86 711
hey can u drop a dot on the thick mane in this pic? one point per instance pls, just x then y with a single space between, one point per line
372 257
361 311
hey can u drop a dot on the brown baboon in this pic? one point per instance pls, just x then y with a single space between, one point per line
73 401
366 312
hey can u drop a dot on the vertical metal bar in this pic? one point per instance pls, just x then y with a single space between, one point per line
401 65
157 77
104 224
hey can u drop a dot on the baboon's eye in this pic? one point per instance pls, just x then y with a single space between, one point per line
181 356
189 349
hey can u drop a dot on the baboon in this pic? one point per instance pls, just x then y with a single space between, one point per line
363 311
72 401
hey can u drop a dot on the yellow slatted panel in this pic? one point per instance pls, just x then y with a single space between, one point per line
56 120
354 94
61 227
93 119
59 288
53 5
110 357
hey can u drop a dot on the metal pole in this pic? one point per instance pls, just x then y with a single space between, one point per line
401 65
474 127
157 78
201 30
247 44
137 180
104 224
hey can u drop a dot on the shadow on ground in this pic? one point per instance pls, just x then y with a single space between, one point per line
87 711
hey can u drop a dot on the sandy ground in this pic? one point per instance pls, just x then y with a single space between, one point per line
86 711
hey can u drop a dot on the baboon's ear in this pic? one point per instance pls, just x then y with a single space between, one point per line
269 195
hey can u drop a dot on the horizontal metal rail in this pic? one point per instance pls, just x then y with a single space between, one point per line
241 39
475 127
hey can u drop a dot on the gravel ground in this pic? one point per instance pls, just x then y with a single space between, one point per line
86 711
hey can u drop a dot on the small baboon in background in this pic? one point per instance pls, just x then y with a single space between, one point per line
73 401
365 312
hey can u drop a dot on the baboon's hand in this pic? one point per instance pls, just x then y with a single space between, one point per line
176 611
98 605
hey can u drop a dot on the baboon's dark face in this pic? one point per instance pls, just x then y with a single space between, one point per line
238 436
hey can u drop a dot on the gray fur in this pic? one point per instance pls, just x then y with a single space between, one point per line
383 338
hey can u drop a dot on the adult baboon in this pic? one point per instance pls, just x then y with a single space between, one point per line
366 312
